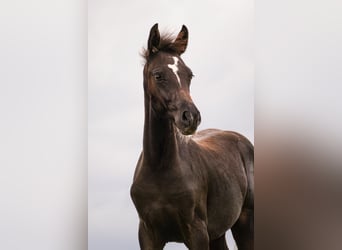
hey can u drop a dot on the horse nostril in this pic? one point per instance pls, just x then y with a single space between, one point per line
187 116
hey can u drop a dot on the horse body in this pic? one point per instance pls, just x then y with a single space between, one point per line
188 188
223 155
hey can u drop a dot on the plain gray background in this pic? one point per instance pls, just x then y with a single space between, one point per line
220 53
43 125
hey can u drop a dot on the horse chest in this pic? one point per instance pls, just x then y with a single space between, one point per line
162 203
164 209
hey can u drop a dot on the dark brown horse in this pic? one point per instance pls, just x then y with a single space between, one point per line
188 187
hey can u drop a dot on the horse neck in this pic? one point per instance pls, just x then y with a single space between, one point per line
160 141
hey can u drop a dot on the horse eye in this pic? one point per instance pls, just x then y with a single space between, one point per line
157 76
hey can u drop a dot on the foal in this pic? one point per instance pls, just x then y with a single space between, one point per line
189 189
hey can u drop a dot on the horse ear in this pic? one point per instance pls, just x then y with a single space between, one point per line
182 40
153 39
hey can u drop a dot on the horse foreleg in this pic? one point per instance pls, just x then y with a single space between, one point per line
147 240
197 237
219 244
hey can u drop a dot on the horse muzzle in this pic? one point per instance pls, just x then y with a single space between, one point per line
189 120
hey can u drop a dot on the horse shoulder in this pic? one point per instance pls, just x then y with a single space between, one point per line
227 158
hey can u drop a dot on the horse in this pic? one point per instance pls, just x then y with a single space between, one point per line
188 187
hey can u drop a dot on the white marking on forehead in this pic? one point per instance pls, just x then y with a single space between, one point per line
174 68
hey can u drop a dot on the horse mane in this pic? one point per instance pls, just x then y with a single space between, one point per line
166 44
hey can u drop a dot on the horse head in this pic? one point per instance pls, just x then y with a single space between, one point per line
167 80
